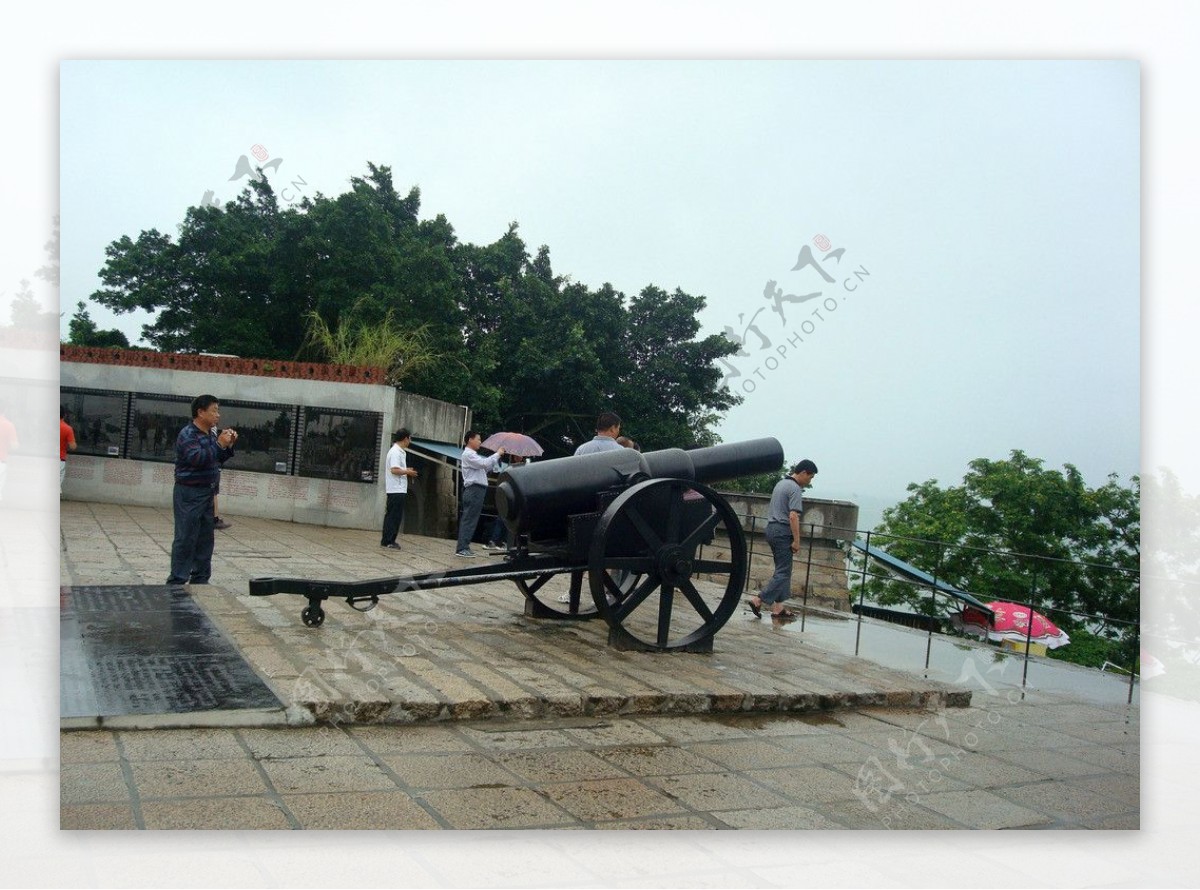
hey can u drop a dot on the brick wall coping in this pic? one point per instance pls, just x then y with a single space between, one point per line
220 364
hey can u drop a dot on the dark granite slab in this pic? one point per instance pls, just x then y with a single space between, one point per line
148 650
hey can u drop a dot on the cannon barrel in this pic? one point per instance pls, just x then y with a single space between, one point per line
536 499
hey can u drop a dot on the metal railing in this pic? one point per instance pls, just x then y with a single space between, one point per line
1027 564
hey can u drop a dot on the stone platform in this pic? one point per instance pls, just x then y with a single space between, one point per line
459 654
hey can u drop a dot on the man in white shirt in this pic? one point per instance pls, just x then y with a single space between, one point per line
396 474
475 485
608 428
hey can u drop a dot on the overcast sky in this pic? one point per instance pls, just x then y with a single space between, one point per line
986 296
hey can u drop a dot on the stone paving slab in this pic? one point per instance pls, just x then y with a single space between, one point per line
459 712
464 653
711 771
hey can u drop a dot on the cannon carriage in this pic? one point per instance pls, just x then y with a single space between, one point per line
632 525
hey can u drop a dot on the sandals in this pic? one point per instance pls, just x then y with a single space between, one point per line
781 615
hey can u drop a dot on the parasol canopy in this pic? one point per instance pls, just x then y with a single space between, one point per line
513 443
1011 621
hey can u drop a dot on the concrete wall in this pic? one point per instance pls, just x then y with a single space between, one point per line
295 498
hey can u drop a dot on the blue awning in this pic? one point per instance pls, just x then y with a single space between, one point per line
441 449
912 573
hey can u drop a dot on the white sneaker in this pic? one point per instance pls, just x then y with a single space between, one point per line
566 598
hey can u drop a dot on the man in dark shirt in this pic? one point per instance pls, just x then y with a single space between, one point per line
198 458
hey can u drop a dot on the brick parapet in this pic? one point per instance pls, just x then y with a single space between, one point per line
221 364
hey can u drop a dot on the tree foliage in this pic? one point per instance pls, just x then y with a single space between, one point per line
525 348
82 331
27 313
1014 530
53 247
759 483
387 344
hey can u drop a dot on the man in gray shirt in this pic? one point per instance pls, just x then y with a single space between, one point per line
608 427
783 537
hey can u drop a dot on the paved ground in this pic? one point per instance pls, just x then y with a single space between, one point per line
458 653
588 752
1036 764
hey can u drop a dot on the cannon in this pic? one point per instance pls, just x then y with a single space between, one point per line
634 525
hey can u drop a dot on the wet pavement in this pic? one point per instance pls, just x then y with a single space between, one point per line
128 650
879 768
463 653
459 712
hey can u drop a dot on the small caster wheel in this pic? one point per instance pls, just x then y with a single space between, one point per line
313 616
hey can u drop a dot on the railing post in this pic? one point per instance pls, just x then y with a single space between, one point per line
1137 657
862 589
812 527
933 602
750 553
1029 629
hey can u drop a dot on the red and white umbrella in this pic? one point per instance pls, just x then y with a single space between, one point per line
1151 666
1011 622
513 443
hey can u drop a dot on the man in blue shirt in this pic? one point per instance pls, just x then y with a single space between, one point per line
783 537
475 485
198 458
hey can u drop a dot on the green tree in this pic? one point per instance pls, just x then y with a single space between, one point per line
548 355
759 483
525 348
672 392
50 271
26 312
1014 530
82 331
1171 563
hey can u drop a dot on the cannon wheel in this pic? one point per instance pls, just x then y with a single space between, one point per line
644 533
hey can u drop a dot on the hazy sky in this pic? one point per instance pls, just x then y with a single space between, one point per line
990 210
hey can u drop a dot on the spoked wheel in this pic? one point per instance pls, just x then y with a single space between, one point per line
541 603
651 534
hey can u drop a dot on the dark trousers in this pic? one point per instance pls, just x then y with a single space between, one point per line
192 549
499 532
472 506
394 517
779 539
